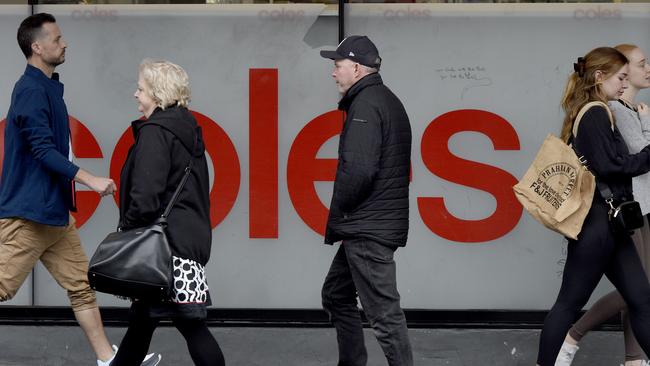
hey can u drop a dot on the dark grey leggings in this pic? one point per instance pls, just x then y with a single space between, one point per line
613 303
596 252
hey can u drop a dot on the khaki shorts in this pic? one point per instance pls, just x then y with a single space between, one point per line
24 242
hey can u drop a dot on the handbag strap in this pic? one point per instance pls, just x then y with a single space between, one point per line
584 110
606 193
603 188
177 193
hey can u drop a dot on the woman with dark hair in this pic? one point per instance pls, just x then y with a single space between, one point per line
599 76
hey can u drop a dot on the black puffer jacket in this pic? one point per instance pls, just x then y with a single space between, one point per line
371 191
154 167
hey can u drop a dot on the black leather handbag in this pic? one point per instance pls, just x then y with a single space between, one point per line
626 216
136 263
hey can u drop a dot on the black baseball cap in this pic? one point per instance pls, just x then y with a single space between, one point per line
358 49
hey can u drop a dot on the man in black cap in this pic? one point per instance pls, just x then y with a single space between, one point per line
370 208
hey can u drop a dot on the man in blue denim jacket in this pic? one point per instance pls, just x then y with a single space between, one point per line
36 187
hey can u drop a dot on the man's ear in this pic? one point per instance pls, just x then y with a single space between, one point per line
36 48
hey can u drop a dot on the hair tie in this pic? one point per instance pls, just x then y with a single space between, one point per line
580 66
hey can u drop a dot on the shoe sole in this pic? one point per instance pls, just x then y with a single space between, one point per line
157 361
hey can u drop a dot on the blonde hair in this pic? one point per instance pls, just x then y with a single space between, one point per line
168 83
582 86
626 48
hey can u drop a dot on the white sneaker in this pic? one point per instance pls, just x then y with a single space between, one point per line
566 355
107 362
151 359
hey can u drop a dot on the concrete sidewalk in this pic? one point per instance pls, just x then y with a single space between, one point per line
63 345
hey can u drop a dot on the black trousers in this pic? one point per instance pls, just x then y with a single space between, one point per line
597 251
366 268
204 349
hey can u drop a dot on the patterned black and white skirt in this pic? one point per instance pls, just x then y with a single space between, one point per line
190 296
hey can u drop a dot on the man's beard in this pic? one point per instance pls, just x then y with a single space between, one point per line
56 62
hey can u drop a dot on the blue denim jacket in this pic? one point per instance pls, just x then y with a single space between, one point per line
36 174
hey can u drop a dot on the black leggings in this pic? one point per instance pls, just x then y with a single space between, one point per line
203 348
597 251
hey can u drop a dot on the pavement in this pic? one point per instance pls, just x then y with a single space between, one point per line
248 346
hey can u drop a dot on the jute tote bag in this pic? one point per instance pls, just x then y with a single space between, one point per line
557 188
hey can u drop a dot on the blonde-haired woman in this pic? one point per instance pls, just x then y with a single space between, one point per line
166 141
633 121
601 75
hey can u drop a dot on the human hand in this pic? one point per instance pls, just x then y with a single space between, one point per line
101 185
643 109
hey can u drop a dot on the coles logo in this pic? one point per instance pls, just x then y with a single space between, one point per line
304 168
408 12
598 13
95 14
281 14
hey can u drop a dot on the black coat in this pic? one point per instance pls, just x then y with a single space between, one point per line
607 154
154 166
371 190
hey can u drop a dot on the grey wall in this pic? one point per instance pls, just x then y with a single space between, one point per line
518 57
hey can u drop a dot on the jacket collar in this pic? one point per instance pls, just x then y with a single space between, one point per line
138 123
39 74
180 122
366 81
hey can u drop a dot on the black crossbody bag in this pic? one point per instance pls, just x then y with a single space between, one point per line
626 216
